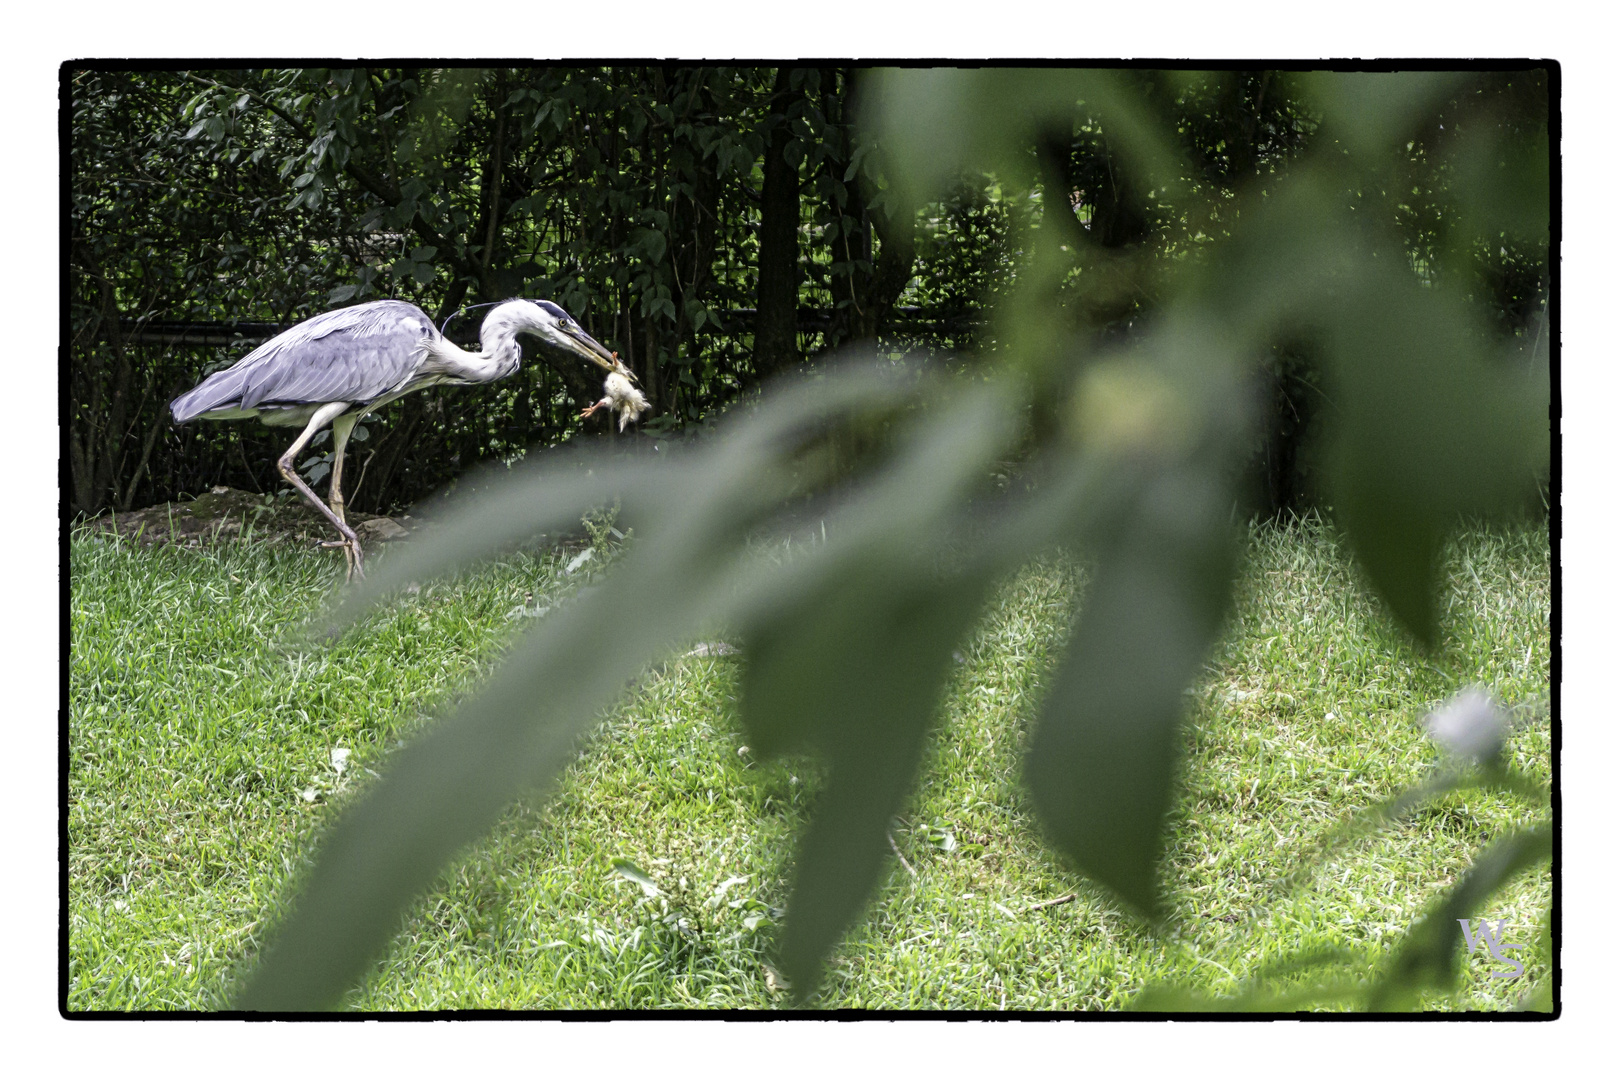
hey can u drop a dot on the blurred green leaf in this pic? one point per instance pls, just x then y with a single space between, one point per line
1103 754
553 491
1372 112
1426 427
936 123
860 671
1503 184
1428 955
1425 417
853 661
447 788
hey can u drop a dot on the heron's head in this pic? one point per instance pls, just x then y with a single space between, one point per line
546 320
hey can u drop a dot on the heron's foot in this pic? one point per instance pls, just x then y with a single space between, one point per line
354 563
599 405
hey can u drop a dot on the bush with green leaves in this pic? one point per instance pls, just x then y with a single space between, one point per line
931 483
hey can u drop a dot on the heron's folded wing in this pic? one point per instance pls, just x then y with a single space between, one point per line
353 354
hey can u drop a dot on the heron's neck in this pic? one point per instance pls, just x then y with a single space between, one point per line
499 357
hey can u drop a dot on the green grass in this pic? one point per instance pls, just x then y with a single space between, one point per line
202 774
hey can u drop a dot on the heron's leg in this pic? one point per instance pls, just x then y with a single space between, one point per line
323 416
341 428
604 403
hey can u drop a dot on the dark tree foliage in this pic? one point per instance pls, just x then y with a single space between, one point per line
714 224
161 231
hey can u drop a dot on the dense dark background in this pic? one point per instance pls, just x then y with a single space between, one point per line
715 225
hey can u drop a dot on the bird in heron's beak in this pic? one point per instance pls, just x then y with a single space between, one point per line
621 399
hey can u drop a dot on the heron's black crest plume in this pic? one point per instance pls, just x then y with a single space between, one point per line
444 327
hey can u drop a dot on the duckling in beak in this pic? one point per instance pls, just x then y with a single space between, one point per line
619 396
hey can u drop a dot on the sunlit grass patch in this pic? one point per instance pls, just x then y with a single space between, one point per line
202 731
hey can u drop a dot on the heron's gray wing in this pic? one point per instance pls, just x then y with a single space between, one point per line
353 354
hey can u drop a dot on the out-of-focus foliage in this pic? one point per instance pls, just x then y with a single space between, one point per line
1111 420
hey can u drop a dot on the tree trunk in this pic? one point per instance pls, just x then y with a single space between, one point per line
776 330
896 254
1054 151
1118 218
693 233
491 225
872 293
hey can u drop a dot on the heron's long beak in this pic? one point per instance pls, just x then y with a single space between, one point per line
592 350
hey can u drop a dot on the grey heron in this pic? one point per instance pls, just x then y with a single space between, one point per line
337 367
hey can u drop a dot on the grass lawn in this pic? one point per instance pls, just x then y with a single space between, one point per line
209 747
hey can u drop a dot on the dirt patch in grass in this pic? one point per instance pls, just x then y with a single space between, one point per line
224 514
